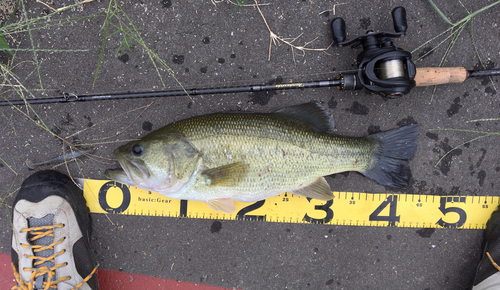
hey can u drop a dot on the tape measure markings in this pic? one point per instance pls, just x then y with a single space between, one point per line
347 208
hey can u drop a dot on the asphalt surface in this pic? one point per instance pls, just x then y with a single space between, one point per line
207 45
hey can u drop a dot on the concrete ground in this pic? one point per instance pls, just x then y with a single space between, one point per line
211 44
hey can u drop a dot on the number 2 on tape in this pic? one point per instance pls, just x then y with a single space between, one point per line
242 214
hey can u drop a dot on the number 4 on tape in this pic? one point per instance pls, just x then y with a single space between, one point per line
347 208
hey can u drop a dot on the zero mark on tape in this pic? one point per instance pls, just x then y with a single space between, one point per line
103 193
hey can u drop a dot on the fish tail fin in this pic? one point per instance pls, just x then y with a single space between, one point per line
390 164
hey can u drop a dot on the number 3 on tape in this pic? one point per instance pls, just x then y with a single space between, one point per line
325 209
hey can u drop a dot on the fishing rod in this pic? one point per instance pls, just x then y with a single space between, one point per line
191 92
382 68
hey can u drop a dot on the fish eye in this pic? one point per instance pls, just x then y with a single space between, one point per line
137 150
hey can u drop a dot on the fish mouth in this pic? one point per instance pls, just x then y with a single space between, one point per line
131 173
118 174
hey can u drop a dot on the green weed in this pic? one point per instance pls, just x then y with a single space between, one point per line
118 21
240 3
481 133
454 32
10 191
11 82
4 45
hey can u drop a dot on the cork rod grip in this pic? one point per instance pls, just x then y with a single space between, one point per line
430 76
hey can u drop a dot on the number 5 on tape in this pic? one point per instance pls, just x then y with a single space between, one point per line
347 208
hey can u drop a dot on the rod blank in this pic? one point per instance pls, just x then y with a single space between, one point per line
192 92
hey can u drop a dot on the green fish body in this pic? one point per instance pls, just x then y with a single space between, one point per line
222 157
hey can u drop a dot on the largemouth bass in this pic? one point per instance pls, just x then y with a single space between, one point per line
222 157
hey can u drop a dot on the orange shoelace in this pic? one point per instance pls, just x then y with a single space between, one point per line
38 233
493 262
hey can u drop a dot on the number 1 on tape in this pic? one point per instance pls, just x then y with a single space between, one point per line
347 208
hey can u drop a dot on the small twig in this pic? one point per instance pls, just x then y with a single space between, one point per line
109 119
333 9
62 8
38 1
483 120
215 2
274 38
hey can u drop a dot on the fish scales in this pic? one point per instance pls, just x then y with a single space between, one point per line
282 153
223 157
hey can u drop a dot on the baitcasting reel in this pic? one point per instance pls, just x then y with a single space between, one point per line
382 67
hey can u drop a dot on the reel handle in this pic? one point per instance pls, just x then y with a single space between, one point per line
399 20
338 30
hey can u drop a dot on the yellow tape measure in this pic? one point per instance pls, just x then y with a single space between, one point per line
347 208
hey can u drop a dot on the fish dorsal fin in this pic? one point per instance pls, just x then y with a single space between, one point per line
319 189
312 113
222 204
226 175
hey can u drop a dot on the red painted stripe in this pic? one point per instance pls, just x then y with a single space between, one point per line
6 275
114 280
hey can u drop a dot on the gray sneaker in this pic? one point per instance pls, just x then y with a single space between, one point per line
51 235
487 272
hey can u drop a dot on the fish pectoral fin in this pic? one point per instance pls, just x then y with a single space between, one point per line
319 189
227 175
222 204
